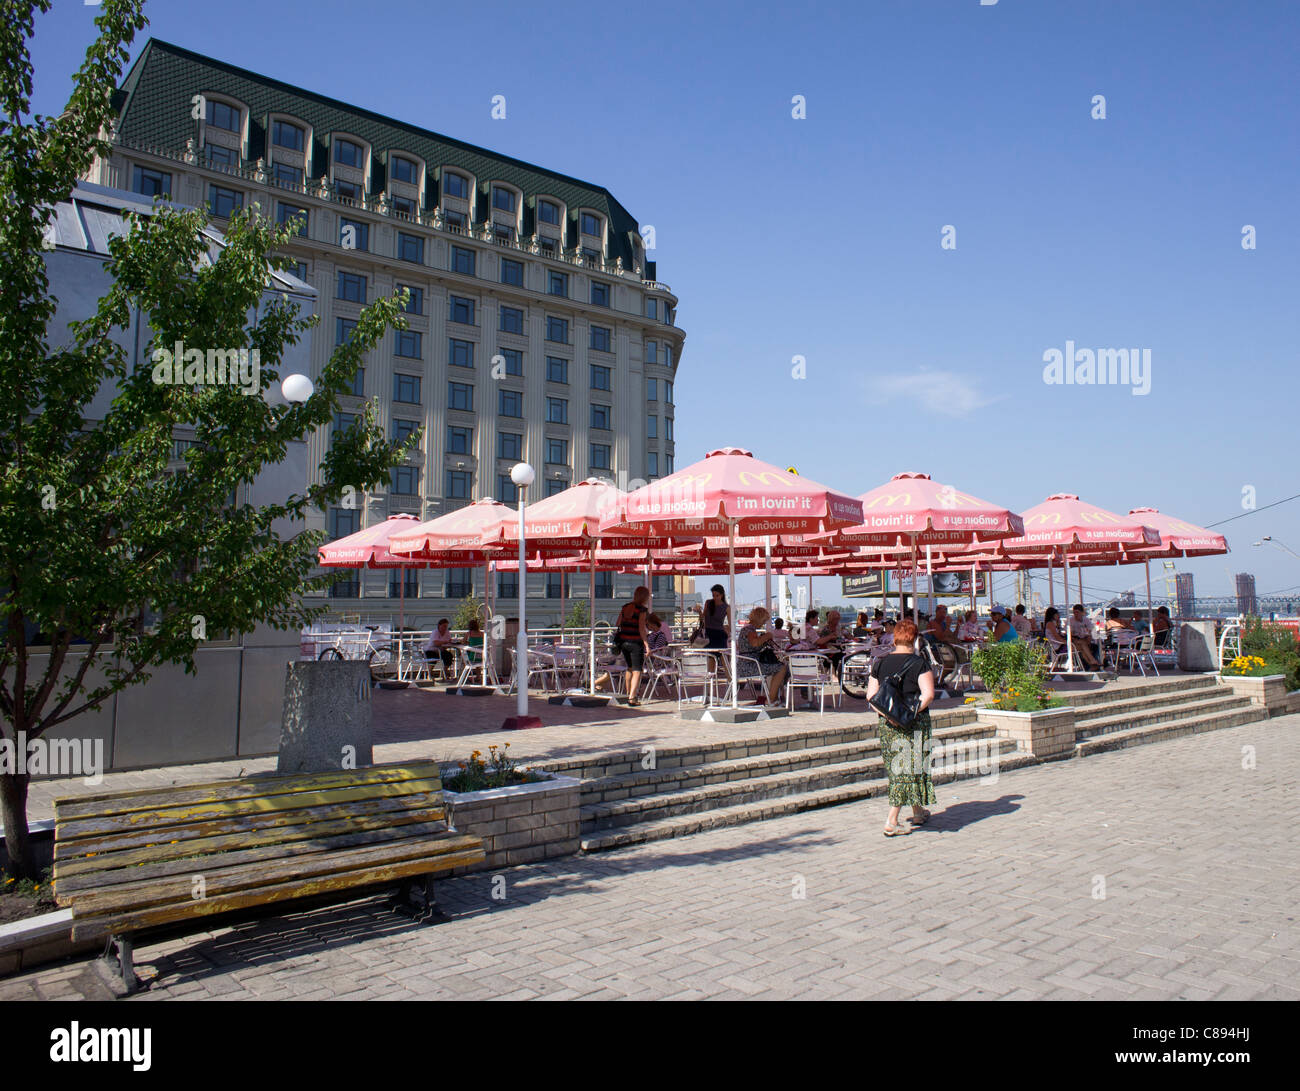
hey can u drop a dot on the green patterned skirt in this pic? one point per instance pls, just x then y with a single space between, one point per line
907 762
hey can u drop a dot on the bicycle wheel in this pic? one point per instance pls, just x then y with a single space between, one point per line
330 653
382 664
856 673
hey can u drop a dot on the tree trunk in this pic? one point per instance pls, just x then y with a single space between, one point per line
13 815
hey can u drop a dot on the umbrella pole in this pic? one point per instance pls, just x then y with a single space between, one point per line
929 576
731 598
1151 618
487 590
915 619
974 581
1051 582
767 576
1069 641
591 621
562 590
1078 568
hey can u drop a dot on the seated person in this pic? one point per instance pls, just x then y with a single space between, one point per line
828 640
887 637
861 627
1081 637
939 628
1052 632
658 638
780 637
1002 630
969 630
474 639
1021 621
438 646
1161 627
754 642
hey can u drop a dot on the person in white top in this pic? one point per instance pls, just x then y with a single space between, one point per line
780 637
1021 622
1081 637
969 630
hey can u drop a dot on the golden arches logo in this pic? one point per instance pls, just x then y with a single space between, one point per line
686 481
765 477
890 500
1042 518
1098 517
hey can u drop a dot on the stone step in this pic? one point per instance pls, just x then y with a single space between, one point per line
682 825
708 797
1107 725
1170 729
643 782
1150 687
1144 706
589 766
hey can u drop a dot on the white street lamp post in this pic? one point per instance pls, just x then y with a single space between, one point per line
522 475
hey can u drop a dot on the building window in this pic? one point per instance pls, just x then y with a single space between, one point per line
460 396
652 352
223 116
410 247
652 463
459 483
353 234
510 445
503 232
460 582
287 135
455 185
348 191
510 403
403 170
406 480
404 429
462 260
406 388
555 485
284 213
151 183
554 584
512 320
507 585
557 370
407 343
403 205
410 577
512 272
557 411
668 391
668 428
358 386
600 377
652 308
348 153
507 490
548 212
343 422
668 463
218 156
298 269
652 427
460 440
352 287
462 310
599 459
225 202
453 219
590 254
599 294
652 390
344 521
604 585
557 329
557 451
415 303
548 245
557 284
668 355
600 417
343 328
590 225
601 338
460 353
503 198
514 361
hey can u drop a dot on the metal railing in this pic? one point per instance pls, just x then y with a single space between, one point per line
1230 640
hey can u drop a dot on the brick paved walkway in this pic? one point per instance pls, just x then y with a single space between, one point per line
996 898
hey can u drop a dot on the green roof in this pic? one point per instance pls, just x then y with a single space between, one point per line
154 105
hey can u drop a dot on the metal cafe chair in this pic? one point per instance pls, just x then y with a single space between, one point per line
810 671
695 668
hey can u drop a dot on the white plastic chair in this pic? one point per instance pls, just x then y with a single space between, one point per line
659 668
1142 654
695 668
810 671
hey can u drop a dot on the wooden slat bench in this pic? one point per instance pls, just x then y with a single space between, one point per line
129 861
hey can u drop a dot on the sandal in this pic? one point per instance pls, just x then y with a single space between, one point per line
925 817
896 831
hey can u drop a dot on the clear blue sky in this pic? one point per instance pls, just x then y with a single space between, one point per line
821 237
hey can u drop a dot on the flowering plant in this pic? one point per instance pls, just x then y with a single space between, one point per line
499 771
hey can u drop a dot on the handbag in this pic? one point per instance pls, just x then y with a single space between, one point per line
889 700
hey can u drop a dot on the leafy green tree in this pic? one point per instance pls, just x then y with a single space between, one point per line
579 616
111 566
468 609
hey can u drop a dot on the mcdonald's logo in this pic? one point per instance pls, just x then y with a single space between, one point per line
1099 517
1044 517
890 500
764 477
686 480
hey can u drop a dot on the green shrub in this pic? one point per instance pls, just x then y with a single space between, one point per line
499 771
1275 645
1015 672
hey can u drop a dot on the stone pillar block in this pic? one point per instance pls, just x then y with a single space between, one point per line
326 721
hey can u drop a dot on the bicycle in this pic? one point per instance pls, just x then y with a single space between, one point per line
379 657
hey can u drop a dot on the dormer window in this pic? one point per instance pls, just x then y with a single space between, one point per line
284 134
590 225
548 212
403 170
455 185
347 153
222 115
503 199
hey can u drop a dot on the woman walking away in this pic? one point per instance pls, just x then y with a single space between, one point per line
716 618
634 639
906 749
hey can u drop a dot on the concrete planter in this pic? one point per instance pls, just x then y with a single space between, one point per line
1046 734
1268 691
47 938
519 824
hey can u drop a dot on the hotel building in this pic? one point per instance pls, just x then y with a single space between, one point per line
537 331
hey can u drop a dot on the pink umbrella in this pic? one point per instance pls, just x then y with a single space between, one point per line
369 548
731 492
